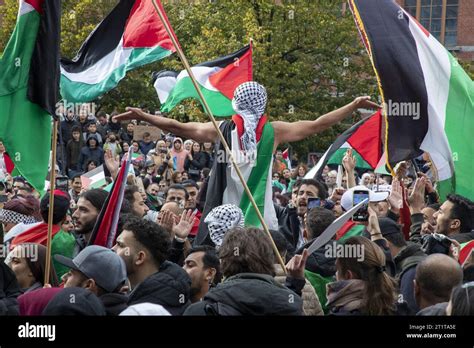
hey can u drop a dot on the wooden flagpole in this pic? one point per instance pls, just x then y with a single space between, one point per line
221 136
52 182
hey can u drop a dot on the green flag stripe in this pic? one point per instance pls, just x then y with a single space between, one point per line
220 105
257 181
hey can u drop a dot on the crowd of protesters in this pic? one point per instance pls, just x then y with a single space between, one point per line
410 243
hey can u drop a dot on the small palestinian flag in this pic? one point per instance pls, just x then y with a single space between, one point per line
94 179
218 80
132 35
365 140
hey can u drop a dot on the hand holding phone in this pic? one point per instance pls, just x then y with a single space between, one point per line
362 214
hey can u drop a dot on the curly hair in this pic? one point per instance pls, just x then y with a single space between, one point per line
463 209
152 236
246 250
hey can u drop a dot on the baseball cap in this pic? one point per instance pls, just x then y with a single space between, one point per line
347 198
99 263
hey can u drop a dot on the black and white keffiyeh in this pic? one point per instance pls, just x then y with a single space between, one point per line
10 216
221 219
250 100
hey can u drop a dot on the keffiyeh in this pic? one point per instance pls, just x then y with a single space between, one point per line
250 100
221 219
15 218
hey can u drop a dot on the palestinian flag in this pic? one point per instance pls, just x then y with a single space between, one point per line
132 35
428 98
217 79
364 138
94 179
29 81
105 229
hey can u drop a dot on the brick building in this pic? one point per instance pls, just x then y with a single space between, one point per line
450 21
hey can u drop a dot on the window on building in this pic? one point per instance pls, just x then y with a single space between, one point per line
439 17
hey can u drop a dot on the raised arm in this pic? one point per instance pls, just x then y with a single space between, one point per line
200 132
287 132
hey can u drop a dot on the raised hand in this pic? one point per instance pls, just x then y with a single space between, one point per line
132 114
349 161
396 196
295 267
166 220
185 225
112 163
417 196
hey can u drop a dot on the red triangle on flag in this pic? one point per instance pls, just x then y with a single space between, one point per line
145 29
10 166
233 75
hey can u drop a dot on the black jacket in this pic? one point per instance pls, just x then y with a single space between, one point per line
9 291
248 294
317 262
289 225
66 129
169 287
198 163
463 237
114 303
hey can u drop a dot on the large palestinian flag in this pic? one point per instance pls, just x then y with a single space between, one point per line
365 140
29 84
217 79
132 35
429 97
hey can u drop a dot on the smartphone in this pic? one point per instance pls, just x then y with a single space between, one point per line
62 183
313 202
363 213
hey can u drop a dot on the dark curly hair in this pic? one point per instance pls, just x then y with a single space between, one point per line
246 250
322 191
152 236
463 209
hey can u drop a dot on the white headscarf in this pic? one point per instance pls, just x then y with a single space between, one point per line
250 100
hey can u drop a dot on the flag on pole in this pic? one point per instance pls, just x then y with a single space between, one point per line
105 229
365 140
428 97
217 79
132 35
29 84
286 157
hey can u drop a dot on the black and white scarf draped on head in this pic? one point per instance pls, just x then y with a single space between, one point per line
250 100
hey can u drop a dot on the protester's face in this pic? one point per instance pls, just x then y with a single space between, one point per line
380 208
2 147
177 145
276 176
366 180
194 266
372 178
331 179
196 147
305 192
139 207
443 218
20 267
125 147
92 128
82 116
130 127
407 181
91 166
428 215
168 143
326 170
126 248
153 189
192 197
92 142
301 171
73 279
161 146
337 210
76 136
112 138
188 146
67 225
207 146
85 216
294 195
18 185
286 173
102 121
70 114
135 147
178 196
179 178
146 139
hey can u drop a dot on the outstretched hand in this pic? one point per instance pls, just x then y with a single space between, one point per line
364 103
132 114
185 225
295 267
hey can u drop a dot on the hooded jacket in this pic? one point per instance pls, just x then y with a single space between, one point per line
9 290
73 152
87 154
178 156
169 287
248 294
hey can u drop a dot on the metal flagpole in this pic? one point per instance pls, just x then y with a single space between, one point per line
221 136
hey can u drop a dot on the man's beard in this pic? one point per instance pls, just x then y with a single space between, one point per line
88 227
